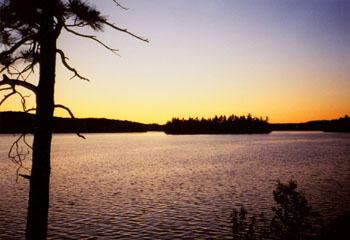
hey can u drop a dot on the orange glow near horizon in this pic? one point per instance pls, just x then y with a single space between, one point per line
286 60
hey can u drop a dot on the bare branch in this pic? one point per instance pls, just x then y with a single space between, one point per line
17 73
70 113
20 74
10 64
7 96
9 71
92 38
25 142
29 67
3 89
63 59
23 100
119 5
24 176
18 157
29 110
125 30
15 82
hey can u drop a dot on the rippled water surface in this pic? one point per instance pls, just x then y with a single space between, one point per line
153 186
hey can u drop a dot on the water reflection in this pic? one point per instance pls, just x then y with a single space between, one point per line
157 186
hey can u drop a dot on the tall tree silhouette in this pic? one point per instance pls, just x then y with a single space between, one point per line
29 30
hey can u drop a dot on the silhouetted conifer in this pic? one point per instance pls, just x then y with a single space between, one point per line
29 30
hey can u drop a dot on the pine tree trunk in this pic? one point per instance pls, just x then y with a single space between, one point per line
38 204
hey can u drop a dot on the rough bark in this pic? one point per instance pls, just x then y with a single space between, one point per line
38 204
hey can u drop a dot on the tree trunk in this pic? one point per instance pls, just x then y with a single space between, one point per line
38 204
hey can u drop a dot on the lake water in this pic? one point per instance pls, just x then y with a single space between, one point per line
154 186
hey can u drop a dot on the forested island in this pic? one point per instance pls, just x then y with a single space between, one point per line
218 125
20 122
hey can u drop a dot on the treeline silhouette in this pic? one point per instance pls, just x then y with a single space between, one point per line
337 125
19 122
340 125
218 125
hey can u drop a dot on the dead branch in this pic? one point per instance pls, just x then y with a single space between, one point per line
115 51
26 143
13 73
7 96
24 176
30 68
14 82
18 157
64 62
119 5
29 110
125 30
23 100
71 115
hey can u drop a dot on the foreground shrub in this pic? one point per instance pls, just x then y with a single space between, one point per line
293 218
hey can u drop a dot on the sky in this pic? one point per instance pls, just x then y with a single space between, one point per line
285 59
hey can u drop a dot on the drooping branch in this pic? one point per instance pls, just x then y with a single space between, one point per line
125 30
64 62
26 143
30 110
17 156
23 100
7 96
71 115
115 51
14 91
119 5
14 82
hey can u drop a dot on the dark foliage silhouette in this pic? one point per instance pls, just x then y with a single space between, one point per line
29 30
218 125
340 125
19 122
337 125
293 218
246 228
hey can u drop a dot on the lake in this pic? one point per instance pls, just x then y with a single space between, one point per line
155 186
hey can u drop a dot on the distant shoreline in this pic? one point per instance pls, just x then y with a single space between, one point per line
20 122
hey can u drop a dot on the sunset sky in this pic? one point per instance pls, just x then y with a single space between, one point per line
285 59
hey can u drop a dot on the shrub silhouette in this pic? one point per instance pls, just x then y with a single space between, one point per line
293 218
